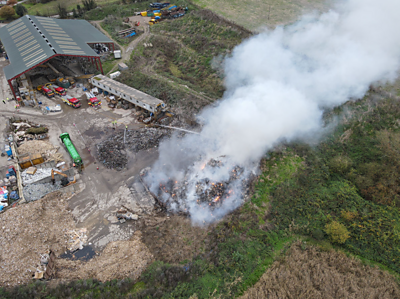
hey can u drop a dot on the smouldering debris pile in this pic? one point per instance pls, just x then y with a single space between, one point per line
199 191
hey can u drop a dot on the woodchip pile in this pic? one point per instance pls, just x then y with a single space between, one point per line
38 147
29 231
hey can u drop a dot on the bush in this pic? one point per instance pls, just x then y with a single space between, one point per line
20 10
40 130
337 232
340 164
6 12
348 215
318 234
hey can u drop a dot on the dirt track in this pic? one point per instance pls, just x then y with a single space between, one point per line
126 51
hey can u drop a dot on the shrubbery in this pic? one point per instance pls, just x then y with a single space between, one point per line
337 232
40 130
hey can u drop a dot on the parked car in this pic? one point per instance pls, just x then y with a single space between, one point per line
178 15
158 5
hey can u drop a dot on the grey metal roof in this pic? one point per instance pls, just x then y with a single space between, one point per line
127 90
31 40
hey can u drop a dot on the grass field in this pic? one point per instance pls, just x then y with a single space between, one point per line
50 8
253 14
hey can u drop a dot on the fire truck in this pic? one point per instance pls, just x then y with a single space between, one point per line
92 100
46 91
57 89
70 101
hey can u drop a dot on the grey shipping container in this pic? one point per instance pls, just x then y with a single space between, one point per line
122 66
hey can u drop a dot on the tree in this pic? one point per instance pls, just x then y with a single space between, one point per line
78 7
12 2
62 10
74 14
6 12
337 232
89 4
20 10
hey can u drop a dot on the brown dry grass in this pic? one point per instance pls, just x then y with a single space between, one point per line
312 273
175 239
253 14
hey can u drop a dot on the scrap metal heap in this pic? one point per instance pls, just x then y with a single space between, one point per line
112 151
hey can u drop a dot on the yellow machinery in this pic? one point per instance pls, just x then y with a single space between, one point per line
62 174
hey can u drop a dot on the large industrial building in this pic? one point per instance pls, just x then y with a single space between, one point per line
31 41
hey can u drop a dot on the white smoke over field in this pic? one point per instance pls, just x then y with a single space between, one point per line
278 84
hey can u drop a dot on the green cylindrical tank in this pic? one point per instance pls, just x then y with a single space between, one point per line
71 148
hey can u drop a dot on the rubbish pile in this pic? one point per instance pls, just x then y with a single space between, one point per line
34 192
76 239
123 215
26 130
112 151
8 188
29 178
45 268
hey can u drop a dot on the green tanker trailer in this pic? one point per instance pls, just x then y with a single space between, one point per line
71 148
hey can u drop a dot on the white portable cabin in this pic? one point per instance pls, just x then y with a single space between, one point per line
117 54
115 74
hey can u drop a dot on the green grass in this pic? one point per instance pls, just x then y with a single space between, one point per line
254 14
116 9
113 28
50 8
108 65
183 52
277 170
358 189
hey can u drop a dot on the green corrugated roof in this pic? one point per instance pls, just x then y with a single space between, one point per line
31 40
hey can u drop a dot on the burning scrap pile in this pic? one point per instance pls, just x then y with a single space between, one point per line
202 190
214 193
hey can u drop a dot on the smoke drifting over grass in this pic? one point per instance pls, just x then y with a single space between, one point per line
278 84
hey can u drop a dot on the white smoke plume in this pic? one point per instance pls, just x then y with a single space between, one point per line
277 85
